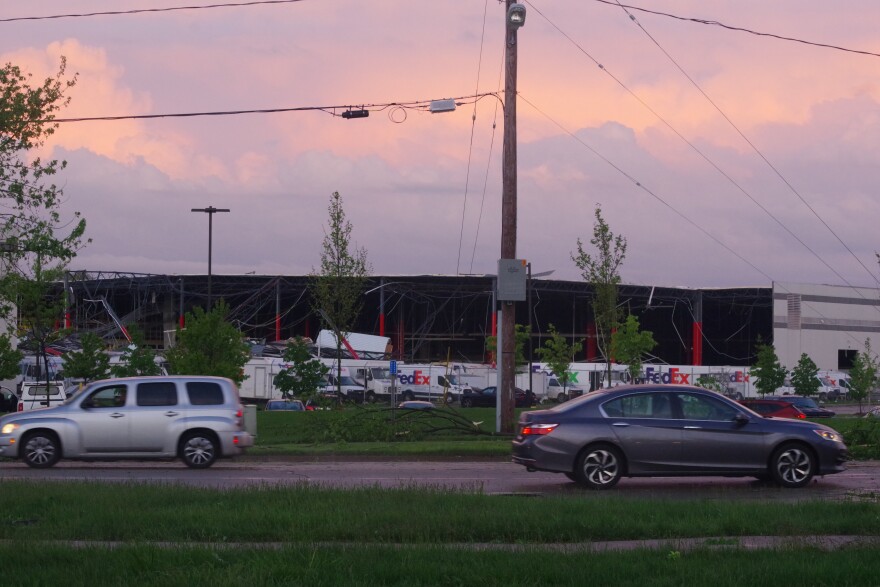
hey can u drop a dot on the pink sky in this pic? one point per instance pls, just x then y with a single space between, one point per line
414 191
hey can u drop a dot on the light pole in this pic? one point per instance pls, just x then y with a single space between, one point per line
210 211
515 17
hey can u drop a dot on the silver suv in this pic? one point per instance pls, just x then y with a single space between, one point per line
198 419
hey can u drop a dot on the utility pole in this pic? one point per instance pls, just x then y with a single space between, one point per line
515 17
210 211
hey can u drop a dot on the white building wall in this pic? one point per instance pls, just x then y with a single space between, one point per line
822 320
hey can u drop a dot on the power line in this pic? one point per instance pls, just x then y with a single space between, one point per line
680 214
467 176
143 10
692 146
423 105
750 143
739 29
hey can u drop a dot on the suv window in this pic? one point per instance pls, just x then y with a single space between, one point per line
163 393
106 397
204 393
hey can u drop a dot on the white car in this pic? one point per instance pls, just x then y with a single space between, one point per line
197 419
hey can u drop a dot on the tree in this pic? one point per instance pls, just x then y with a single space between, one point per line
137 358
768 370
304 375
337 287
602 272
209 345
803 376
37 243
629 345
521 333
90 362
558 354
10 358
863 375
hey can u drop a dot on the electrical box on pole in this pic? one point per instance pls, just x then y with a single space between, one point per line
512 280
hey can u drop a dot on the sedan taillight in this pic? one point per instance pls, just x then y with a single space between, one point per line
537 429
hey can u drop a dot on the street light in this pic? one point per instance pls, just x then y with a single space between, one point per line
515 17
210 211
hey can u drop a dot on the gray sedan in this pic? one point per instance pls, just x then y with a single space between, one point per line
672 430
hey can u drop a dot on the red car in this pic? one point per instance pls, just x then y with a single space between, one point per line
773 408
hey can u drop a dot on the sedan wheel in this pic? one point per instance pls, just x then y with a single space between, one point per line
466 402
599 467
41 451
792 466
198 451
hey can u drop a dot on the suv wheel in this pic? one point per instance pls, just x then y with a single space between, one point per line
41 450
198 450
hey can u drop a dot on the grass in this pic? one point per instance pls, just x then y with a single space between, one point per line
144 513
136 535
38 565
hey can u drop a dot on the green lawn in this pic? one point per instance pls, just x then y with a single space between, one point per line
128 534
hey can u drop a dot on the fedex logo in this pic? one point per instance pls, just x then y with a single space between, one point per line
739 377
673 376
417 378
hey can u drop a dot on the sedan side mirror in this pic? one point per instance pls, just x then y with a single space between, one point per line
741 419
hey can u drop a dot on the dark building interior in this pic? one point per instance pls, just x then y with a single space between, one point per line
429 317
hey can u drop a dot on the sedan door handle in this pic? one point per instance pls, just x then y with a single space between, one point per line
171 414
693 427
621 424
116 415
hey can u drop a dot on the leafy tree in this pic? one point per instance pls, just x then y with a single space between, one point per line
558 354
10 358
863 375
629 345
711 383
137 358
37 243
337 288
521 333
803 376
89 363
601 270
768 370
305 373
209 345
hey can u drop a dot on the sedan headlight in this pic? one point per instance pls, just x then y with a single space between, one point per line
10 428
829 435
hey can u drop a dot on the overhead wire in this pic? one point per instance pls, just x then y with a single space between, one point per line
691 145
672 208
740 29
420 105
749 142
467 176
144 10
488 165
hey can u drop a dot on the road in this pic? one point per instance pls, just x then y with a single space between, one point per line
860 481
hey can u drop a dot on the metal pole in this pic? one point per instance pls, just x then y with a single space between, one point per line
507 334
529 304
210 211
